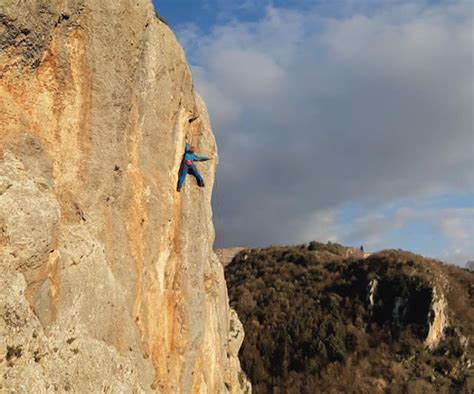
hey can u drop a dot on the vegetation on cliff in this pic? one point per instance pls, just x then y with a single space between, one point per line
319 316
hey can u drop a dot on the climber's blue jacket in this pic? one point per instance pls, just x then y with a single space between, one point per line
188 167
190 157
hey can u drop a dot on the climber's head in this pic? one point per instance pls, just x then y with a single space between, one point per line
192 149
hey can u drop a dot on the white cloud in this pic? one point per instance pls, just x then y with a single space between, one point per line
244 81
455 226
368 229
313 112
321 225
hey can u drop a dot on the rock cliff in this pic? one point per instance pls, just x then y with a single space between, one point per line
108 278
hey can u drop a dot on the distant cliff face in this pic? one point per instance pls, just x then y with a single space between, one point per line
108 280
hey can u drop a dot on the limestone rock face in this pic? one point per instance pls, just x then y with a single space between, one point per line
108 280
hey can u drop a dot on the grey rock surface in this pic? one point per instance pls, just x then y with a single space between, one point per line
225 255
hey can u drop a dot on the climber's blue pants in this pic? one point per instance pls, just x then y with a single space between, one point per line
185 170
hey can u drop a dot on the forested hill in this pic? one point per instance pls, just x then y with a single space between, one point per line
319 318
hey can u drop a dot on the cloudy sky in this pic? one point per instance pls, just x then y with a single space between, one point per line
341 120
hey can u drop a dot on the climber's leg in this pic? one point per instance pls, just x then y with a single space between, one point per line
193 170
182 176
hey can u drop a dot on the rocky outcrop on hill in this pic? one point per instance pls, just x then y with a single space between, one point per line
470 265
108 280
315 316
226 255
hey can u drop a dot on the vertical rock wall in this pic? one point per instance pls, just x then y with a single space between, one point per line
108 278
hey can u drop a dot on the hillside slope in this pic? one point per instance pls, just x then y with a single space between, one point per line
320 320
108 280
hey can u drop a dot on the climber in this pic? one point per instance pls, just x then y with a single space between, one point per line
188 167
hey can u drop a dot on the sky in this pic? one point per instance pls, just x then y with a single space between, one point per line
348 121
